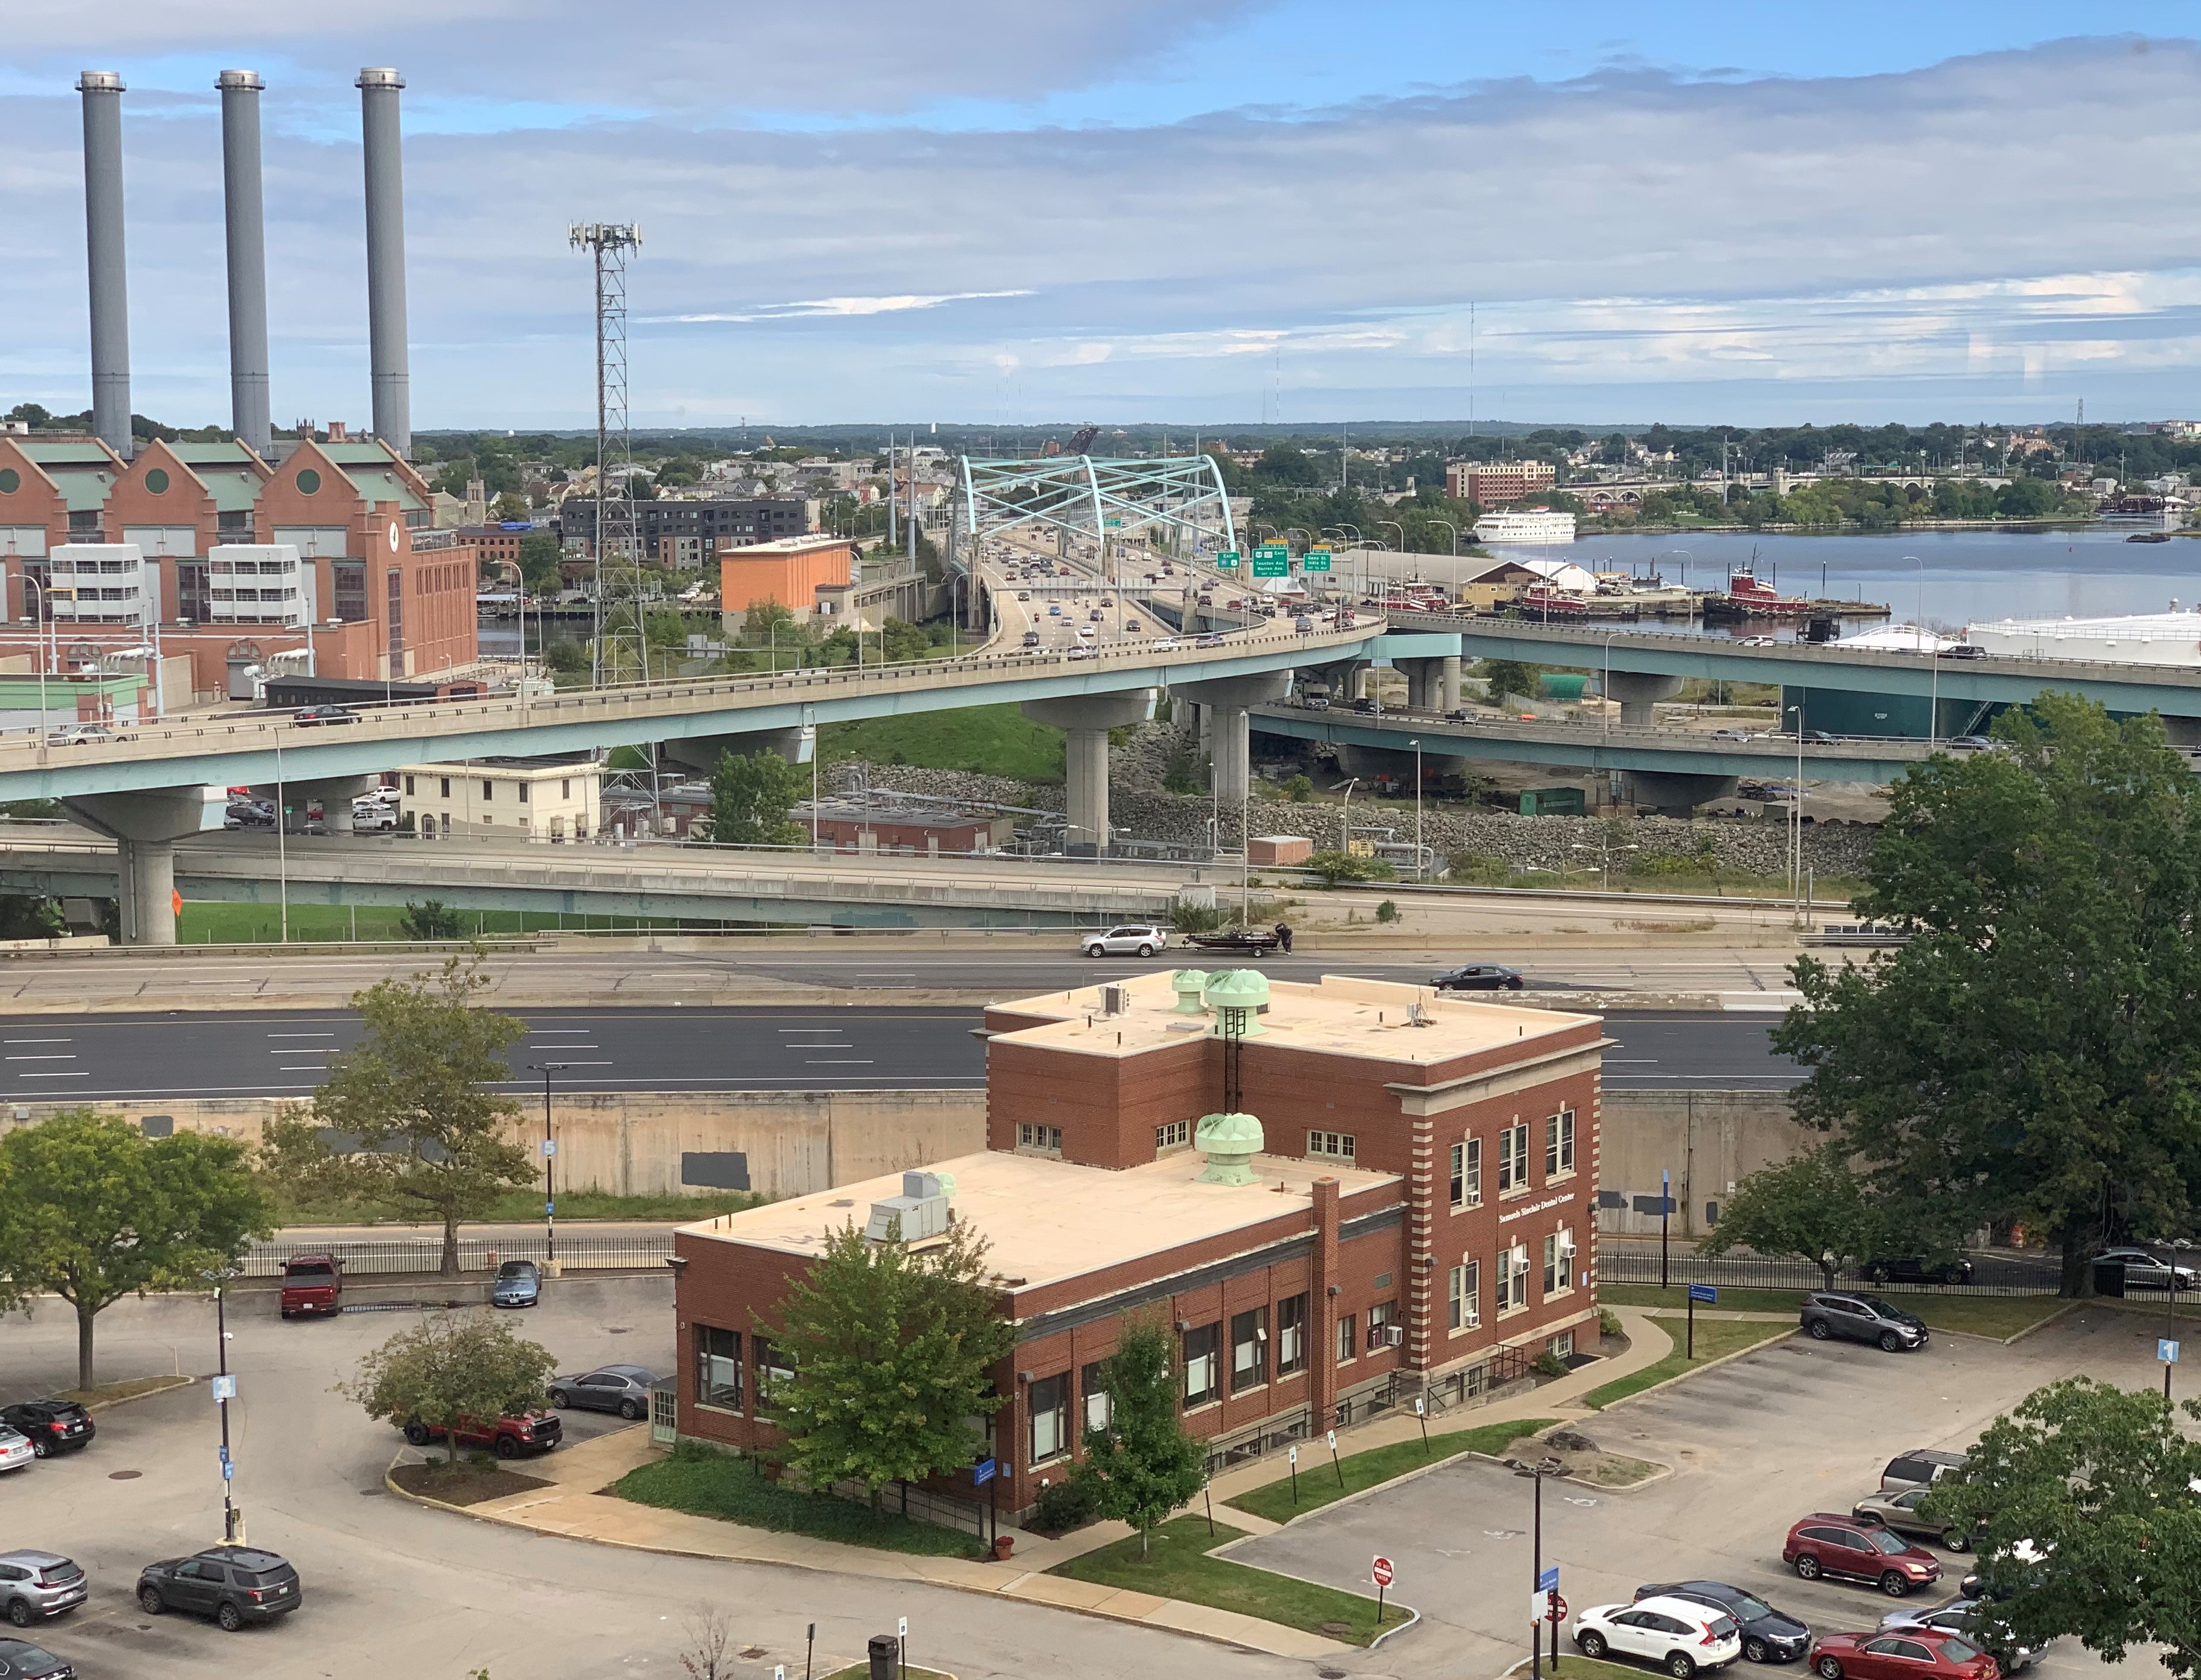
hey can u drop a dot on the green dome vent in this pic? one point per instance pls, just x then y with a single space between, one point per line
1238 996
1190 984
1230 1142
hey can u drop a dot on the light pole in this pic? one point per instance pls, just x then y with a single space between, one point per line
1536 1472
220 1277
549 1169
1345 818
1454 530
1796 815
282 846
38 625
2179 1246
1421 870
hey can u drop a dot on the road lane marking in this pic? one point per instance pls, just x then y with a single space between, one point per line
840 1061
41 1041
302 1035
68 1056
54 1076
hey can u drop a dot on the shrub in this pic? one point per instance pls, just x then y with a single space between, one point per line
1334 867
1549 1364
1387 912
1191 919
1299 789
432 920
1064 1506
1478 869
1608 1323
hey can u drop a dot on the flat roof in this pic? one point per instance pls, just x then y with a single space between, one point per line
1372 1020
788 545
1047 1221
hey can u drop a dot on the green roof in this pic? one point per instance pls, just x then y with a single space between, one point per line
81 491
362 454
53 455
385 486
232 491
228 454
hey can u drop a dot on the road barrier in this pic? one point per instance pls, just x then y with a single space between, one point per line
1638 1262
374 1257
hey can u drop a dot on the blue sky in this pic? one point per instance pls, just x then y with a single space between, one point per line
1203 211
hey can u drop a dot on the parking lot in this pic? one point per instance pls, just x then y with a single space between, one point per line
1798 1427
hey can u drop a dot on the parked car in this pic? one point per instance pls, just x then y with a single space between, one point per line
16 1452
2144 1271
311 715
1679 1635
1139 939
1962 1616
2029 1558
34 1585
1922 1466
1478 977
1897 1508
531 1432
623 1389
1768 1637
1913 1654
1862 1318
1916 1269
20 1659
1827 1544
313 1286
234 1585
518 1283
53 1425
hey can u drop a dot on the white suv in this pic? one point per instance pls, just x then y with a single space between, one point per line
1678 1635
1137 939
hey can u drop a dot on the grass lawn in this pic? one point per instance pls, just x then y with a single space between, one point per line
1318 1483
705 1483
992 739
1997 1315
1177 1567
524 1207
1716 1339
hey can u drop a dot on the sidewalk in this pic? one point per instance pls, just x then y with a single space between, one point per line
573 1508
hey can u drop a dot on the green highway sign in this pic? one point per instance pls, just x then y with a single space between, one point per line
1271 566
1227 560
1315 559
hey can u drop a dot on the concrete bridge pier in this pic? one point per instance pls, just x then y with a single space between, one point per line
1674 793
145 828
1086 719
701 753
1638 692
1432 684
1224 702
334 796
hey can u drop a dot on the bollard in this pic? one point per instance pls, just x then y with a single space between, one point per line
884 1648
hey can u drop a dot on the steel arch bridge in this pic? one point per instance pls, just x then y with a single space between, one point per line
1086 495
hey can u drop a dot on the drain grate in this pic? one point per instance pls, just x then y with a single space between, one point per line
752 1653
1330 1674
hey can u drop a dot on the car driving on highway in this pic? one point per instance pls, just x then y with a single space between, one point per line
1478 977
1133 938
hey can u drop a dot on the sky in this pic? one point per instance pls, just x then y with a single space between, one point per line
1204 211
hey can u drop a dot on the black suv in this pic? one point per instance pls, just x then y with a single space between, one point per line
1862 1318
53 1425
234 1585
1768 1637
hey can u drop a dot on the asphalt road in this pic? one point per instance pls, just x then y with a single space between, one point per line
392 1589
141 1058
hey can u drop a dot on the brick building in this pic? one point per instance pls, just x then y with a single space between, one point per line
1488 483
1416 1216
376 593
703 526
791 570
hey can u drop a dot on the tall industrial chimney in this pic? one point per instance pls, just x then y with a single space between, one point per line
385 257
103 221
248 257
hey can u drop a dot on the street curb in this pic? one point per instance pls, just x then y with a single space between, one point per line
998 1594
169 1385
1684 1376
1360 1494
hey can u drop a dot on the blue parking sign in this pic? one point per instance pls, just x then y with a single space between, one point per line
982 1473
1703 1294
2166 1350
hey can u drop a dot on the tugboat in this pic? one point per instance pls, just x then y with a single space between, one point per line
1541 602
1747 597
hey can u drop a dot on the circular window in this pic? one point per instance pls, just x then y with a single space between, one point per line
10 481
308 480
156 481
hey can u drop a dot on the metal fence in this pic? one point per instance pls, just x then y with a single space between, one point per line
1991 1274
923 1505
403 1255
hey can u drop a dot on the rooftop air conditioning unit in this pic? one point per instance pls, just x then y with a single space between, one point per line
1115 1000
1394 1336
920 1211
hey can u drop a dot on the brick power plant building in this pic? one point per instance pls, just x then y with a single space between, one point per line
1340 1196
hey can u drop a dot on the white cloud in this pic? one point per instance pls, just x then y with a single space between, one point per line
840 306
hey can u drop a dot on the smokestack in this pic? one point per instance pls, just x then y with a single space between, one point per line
248 257
103 222
385 257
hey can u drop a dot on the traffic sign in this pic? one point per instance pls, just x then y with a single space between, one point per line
224 1388
1705 1294
1291 1455
1271 565
901 1630
1315 559
549 1210
1557 1612
549 1146
228 1471
223 1452
1380 1571
1548 1582
982 1472
1227 560
1333 1440
2166 1350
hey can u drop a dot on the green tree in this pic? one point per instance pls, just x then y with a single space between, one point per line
1511 677
892 1352
2030 1055
1336 868
2085 1506
1142 1466
407 1121
451 1367
434 919
91 1210
751 794
1815 1206
538 562
509 505
1284 464
1299 789
567 656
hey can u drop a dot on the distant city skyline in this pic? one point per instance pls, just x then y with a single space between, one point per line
1207 213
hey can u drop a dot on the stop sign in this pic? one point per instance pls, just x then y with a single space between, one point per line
1380 1571
1557 1612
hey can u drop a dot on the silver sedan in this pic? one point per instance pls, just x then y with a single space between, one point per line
623 1389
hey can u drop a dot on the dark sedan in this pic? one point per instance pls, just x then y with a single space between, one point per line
1479 977
52 1425
1768 1637
20 1659
623 1389
323 714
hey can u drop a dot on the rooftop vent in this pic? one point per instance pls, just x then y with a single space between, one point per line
1190 984
1230 1141
1238 996
919 1212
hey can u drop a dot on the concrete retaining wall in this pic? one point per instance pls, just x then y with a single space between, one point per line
1706 1139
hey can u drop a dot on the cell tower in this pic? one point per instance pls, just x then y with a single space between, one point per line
608 242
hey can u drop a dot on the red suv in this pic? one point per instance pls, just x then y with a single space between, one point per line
507 1437
1825 1544
1901 1654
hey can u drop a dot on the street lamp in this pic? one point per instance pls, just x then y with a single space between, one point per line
219 1276
1606 864
1536 1472
1345 818
39 621
1796 815
1421 869
549 1169
2179 1246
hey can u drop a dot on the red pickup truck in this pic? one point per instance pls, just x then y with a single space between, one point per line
313 1285
506 1436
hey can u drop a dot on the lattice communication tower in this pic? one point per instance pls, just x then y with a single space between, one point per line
608 243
